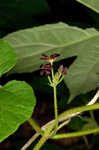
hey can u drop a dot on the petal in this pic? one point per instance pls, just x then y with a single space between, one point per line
44 55
44 58
54 56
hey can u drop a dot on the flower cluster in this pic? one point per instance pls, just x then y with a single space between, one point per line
48 68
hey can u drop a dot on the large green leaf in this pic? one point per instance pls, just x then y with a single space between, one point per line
17 102
7 57
93 4
83 74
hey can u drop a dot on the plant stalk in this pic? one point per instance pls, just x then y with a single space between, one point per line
55 108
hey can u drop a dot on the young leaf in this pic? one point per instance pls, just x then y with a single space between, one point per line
66 40
7 57
93 4
17 102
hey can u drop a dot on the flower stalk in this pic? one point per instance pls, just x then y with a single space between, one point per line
55 108
54 80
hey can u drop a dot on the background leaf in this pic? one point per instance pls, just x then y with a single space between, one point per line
7 57
17 102
63 39
90 124
93 4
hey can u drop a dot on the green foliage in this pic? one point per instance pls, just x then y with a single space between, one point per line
17 102
17 99
7 57
66 40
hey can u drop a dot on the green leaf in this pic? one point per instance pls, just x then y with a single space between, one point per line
17 102
66 40
93 4
7 57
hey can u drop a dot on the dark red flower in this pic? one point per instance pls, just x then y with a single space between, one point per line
52 57
45 69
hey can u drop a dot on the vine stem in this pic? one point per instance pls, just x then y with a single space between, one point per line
35 126
36 135
44 138
40 143
30 141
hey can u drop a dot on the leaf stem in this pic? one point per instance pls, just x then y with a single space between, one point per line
35 126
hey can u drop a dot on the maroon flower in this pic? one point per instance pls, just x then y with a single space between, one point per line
62 70
45 69
52 57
